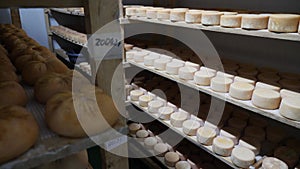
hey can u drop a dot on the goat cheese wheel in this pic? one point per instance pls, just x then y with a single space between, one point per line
135 94
220 84
290 108
160 64
144 100
130 12
190 127
191 64
150 142
173 67
266 99
178 14
134 127
160 149
141 135
178 118
206 135
203 78
260 85
149 60
171 158
273 163
244 80
202 68
231 21
155 105
255 132
287 93
285 23
254 21
222 146
193 16
183 165
163 14
152 13
139 56
187 73
210 18
242 157
141 12
165 112
287 154
241 91
229 135
225 75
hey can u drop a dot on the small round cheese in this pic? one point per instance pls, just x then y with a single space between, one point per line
286 23
253 21
206 135
190 127
155 105
255 132
173 67
187 73
242 157
171 158
241 91
220 84
139 56
165 112
150 142
163 14
183 165
160 149
293 85
287 93
210 18
244 80
203 78
130 12
229 135
135 94
193 16
231 21
266 99
288 155
142 134
191 64
290 108
141 12
225 75
160 64
178 118
178 14
260 85
273 163
202 68
222 146
134 127
149 60
144 100
152 13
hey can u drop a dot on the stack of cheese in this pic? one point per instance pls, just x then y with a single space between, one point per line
70 34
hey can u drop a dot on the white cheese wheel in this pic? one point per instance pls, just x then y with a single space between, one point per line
150 142
244 80
178 14
141 12
152 13
191 64
286 23
141 135
190 127
273 163
183 165
160 64
241 90
206 135
287 93
231 21
160 149
254 147
256 22
255 132
222 146
165 112
135 94
266 99
173 67
290 108
229 135
210 18
163 14
155 105
203 78
134 127
171 158
144 100
242 157
220 84
139 56
193 16
260 85
149 60
202 68
177 119
130 12
226 75
187 73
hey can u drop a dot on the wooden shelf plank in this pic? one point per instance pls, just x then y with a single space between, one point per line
272 114
219 29
42 3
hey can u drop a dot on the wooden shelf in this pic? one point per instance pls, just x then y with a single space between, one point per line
272 114
237 31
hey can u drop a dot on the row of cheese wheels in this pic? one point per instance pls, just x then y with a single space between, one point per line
70 34
286 23
209 134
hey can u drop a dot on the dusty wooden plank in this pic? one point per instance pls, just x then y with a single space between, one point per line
15 17
41 3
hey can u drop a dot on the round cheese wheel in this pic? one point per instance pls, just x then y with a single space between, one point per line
152 13
255 132
142 134
150 142
190 64
290 108
237 123
160 149
286 23
134 127
228 134
173 67
202 68
141 12
171 158
225 75
160 64
139 56
155 105
178 118
163 14
135 94
203 78
273 163
220 84
231 21
210 18
241 91
242 157
12 93
288 155
130 12
293 85
19 131
287 93
253 21
266 99
144 100
206 135
183 165
190 127
177 15
165 112
244 80
260 85
222 146
149 60
187 73
193 16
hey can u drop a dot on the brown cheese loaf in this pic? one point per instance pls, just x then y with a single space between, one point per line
12 93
